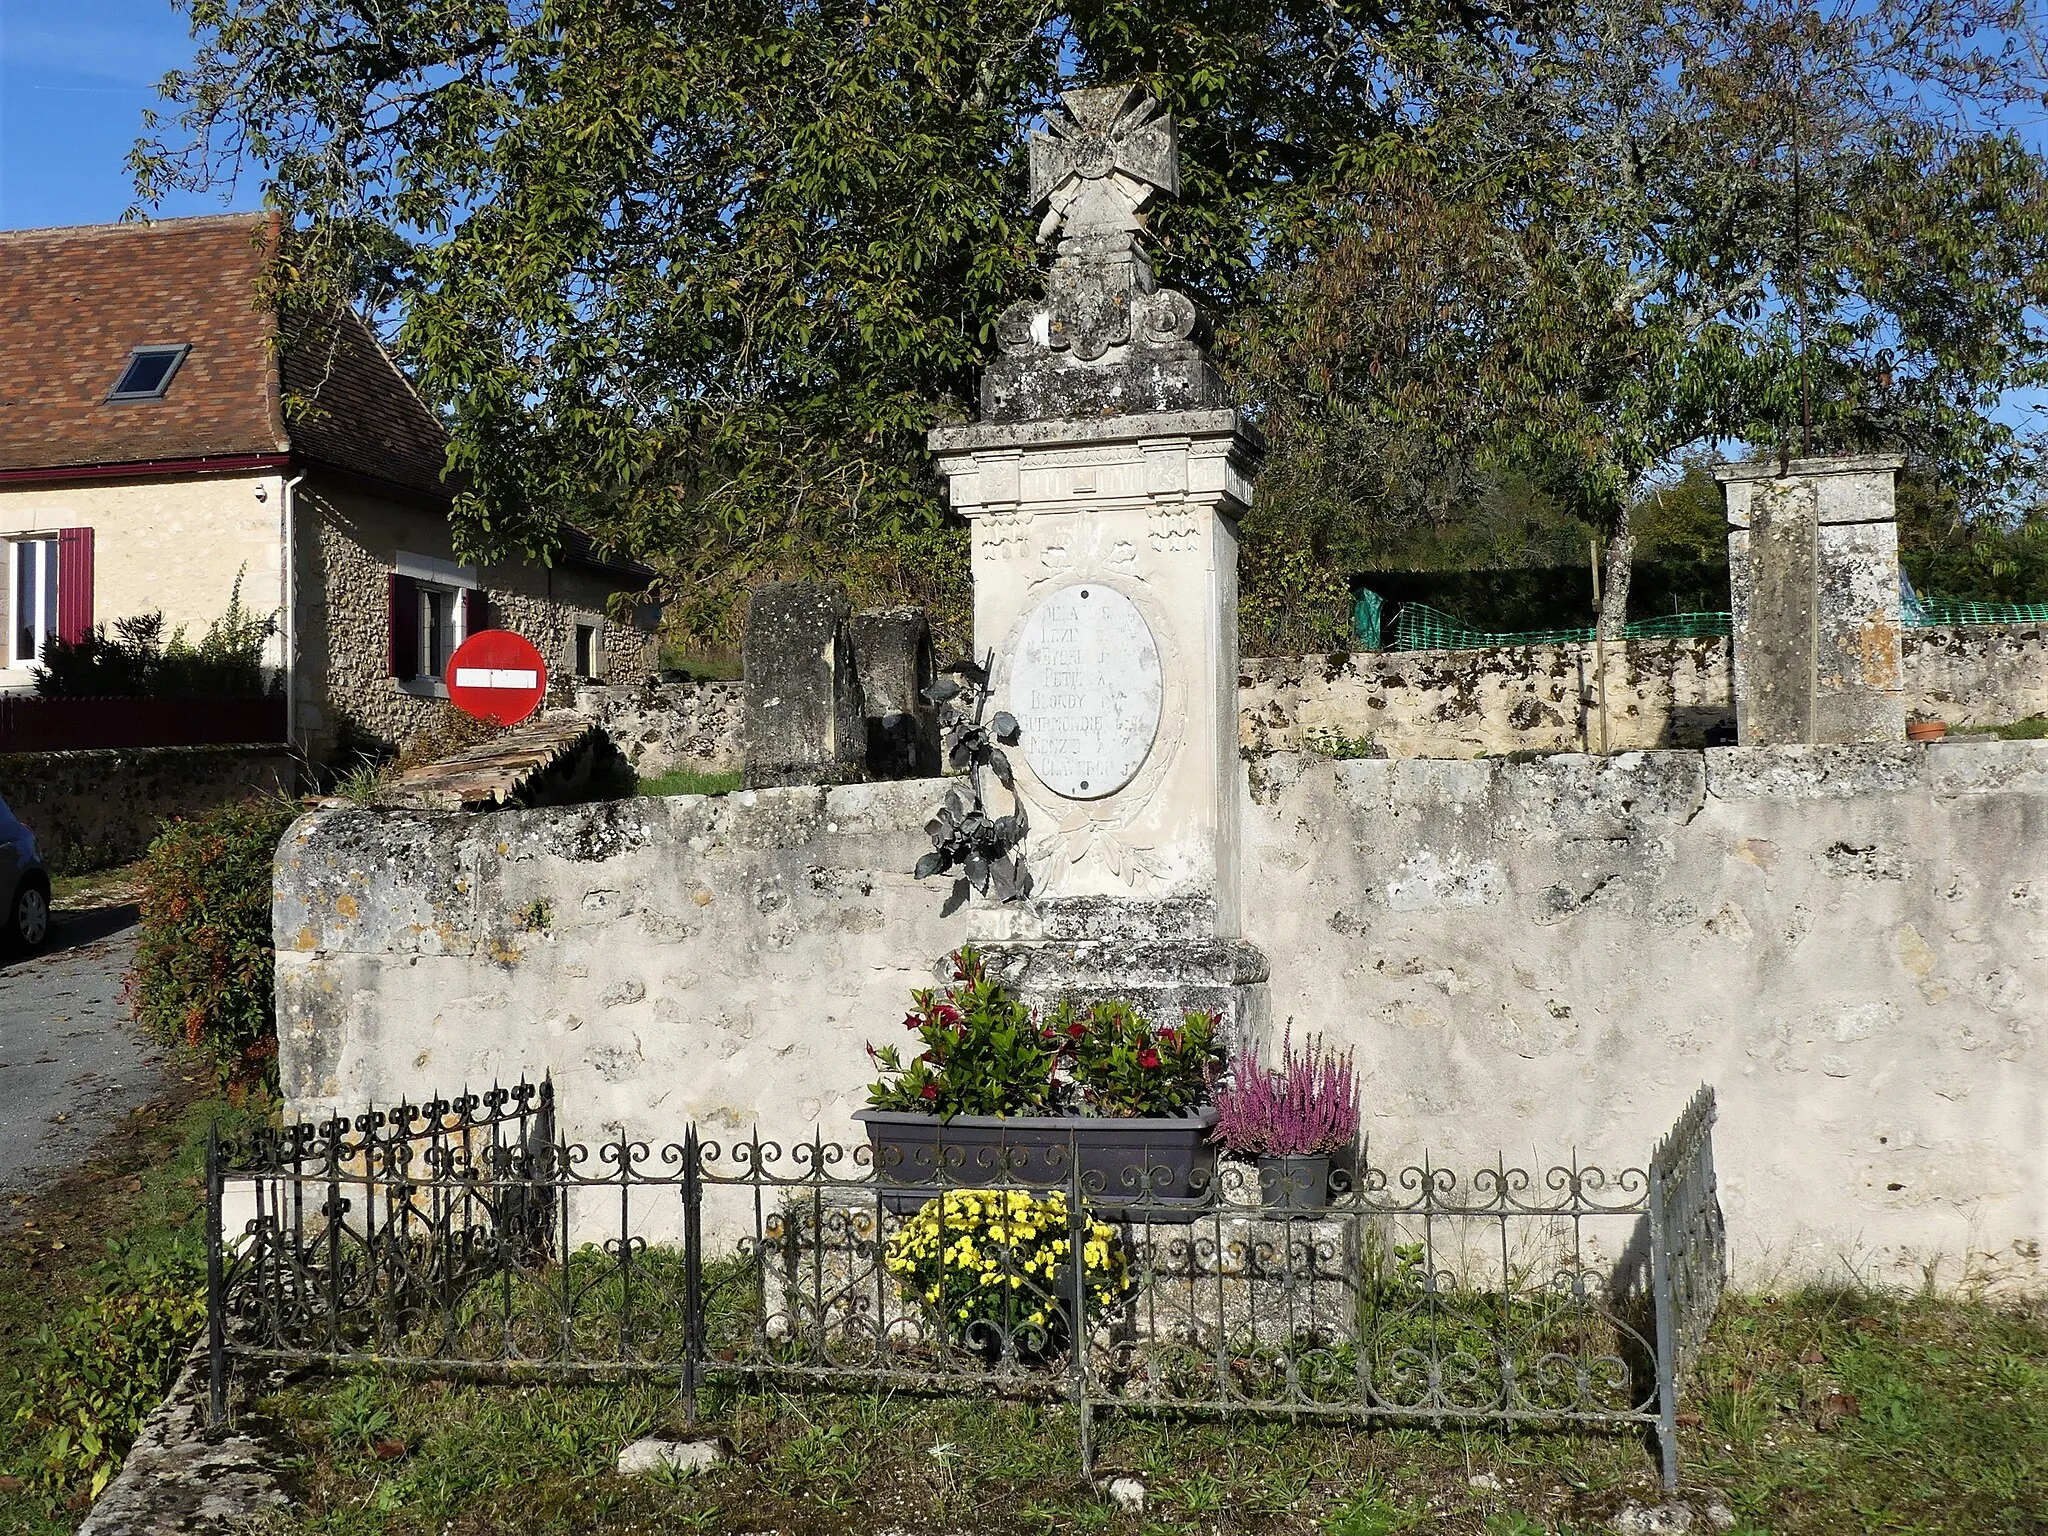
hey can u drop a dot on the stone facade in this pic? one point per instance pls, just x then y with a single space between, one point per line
347 544
1661 694
92 810
1541 698
1976 676
1528 957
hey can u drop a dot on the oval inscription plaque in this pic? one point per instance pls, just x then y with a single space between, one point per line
1085 689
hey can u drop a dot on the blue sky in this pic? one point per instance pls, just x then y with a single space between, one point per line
75 76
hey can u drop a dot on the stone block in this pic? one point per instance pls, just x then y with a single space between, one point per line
805 723
892 652
1813 567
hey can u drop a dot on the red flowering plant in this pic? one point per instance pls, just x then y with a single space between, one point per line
984 1052
1126 1068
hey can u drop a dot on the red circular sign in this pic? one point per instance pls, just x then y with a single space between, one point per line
497 676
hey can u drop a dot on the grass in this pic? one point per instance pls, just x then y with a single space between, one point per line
2033 728
134 1207
95 888
1823 1412
1827 1411
688 781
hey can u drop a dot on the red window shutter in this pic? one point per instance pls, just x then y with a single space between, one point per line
474 615
74 584
405 627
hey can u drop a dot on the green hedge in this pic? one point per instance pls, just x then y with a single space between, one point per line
204 959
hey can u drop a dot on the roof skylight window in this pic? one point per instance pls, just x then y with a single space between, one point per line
149 372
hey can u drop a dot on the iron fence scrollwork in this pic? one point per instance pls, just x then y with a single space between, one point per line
464 1237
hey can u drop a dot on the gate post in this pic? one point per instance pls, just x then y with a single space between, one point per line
693 1274
1667 1341
216 1287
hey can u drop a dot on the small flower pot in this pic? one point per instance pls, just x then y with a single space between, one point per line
1926 730
1294 1183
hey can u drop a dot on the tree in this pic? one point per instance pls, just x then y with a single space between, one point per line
701 277
1645 229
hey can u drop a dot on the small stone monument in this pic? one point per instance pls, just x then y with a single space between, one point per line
892 654
1813 572
804 719
1103 486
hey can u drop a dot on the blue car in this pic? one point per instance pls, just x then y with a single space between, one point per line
24 887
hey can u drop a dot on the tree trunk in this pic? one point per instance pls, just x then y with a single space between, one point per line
1620 562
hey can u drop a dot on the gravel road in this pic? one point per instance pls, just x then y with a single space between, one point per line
72 1063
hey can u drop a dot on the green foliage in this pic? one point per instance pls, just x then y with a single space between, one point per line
702 277
138 662
102 1370
688 781
1123 1066
2033 728
1330 741
1986 559
984 1053
203 957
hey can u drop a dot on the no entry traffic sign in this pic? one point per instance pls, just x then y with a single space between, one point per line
497 676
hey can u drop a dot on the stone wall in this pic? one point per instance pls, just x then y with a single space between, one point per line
1660 694
1977 676
663 726
91 810
1532 957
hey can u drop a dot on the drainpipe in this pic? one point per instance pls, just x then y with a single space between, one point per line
291 612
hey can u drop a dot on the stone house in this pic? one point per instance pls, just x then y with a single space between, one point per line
148 463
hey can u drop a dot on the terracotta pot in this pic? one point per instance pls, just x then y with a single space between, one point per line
1166 1166
1926 730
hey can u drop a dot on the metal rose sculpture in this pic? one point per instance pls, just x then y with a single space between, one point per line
984 848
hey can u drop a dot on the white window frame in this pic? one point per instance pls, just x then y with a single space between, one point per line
595 625
45 592
430 574
458 626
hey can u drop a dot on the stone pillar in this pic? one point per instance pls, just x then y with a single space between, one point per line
804 720
1103 487
892 651
1813 568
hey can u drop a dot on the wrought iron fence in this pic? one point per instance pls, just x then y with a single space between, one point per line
462 1237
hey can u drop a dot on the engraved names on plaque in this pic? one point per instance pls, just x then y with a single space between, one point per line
1086 690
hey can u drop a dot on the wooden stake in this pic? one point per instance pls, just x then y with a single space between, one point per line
1599 649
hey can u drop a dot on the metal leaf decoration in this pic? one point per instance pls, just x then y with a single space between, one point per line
984 848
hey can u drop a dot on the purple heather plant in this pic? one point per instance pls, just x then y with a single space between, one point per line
1308 1107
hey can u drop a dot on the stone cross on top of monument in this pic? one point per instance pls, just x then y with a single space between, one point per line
1105 340
1095 172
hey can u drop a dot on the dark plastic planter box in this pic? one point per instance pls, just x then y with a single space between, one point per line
1167 1166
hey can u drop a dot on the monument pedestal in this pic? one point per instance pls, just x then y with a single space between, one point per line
1103 487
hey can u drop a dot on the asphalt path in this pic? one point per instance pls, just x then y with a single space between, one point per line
72 1062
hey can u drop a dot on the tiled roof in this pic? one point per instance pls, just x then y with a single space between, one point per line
351 407
75 302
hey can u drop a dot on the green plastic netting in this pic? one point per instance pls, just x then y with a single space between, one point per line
1419 627
1946 612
